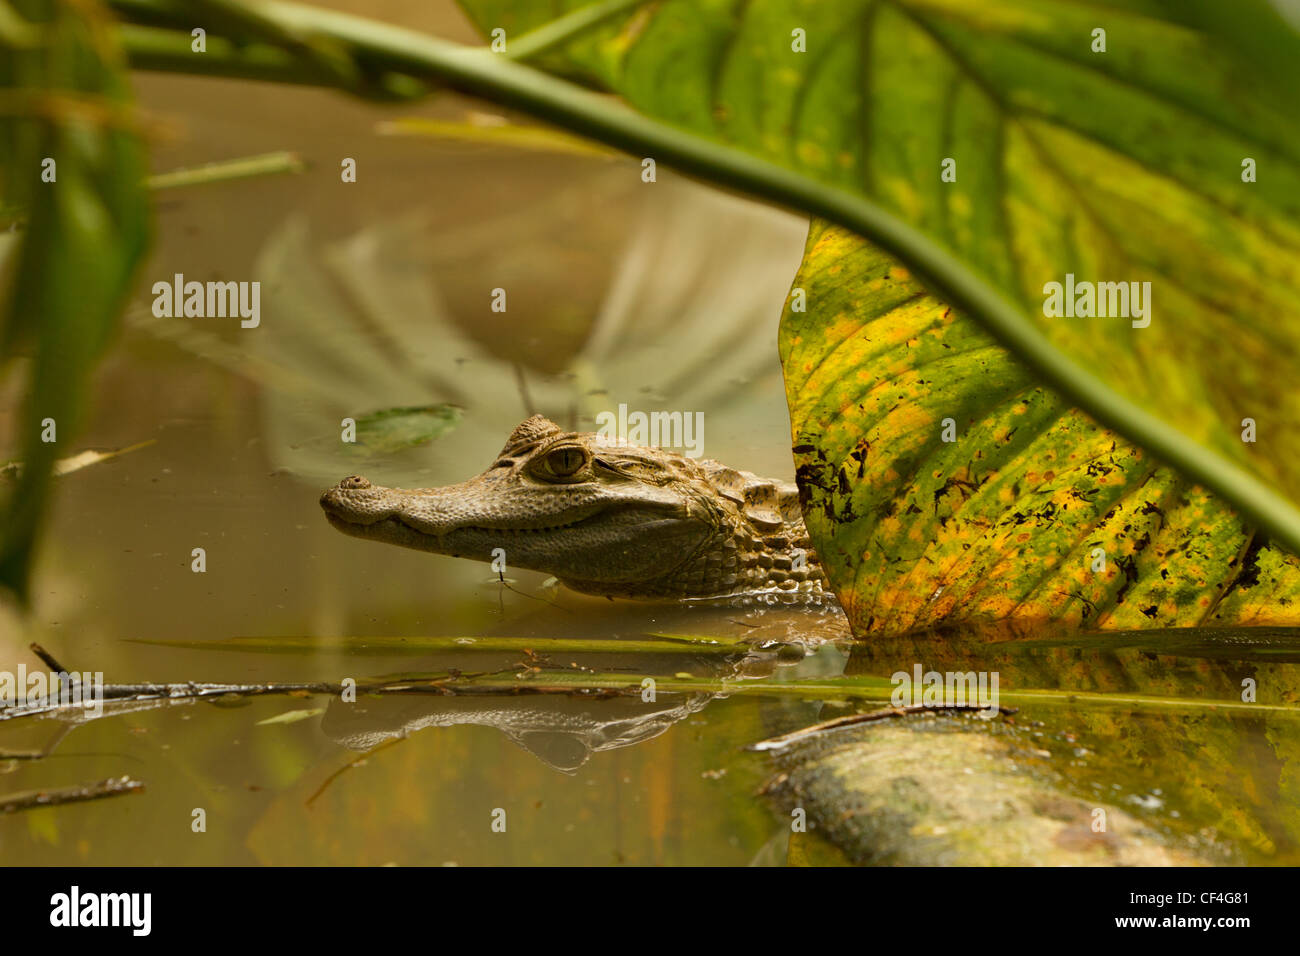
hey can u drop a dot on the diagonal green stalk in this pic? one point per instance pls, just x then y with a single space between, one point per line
244 168
480 73
565 28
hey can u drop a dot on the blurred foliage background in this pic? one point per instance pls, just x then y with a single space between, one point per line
72 165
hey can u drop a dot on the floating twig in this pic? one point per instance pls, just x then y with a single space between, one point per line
120 697
35 799
885 713
47 658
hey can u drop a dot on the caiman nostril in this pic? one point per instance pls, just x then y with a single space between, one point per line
354 483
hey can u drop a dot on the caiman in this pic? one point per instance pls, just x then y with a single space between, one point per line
604 518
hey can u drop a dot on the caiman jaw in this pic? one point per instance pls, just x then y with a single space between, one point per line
357 507
584 536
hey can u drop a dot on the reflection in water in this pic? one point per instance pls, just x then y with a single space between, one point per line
562 732
1183 768
536 697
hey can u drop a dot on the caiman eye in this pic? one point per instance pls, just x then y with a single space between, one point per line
564 462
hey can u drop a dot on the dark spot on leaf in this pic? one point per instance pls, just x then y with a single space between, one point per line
1249 575
1129 567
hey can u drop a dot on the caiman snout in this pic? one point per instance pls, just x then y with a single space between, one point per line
342 502
333 496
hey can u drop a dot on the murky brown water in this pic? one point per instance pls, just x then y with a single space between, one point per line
376 294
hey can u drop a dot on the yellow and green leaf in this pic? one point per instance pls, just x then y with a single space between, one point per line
1031 511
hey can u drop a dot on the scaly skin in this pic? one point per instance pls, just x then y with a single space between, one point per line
605 518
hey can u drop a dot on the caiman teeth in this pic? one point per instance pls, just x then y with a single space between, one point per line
483 529
553 527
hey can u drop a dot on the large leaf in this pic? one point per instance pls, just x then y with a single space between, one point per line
1033 512
1122 165
65 100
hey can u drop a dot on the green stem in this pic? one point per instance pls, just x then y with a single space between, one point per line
386 644
225 170
551 35
155 48
480 73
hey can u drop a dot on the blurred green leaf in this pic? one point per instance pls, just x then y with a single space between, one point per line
66 100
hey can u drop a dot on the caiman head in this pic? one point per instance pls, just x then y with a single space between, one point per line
602 516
